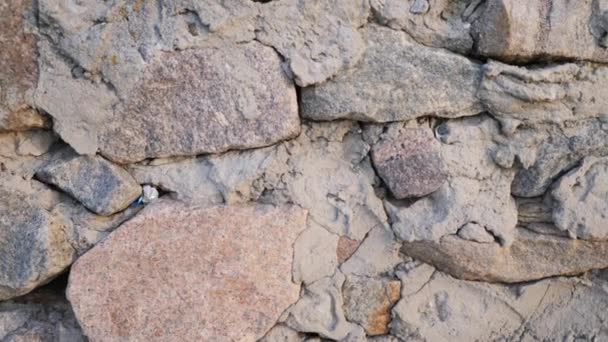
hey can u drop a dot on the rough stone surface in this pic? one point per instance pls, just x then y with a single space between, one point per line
397 79
319 310
368 302
512 30
581 199
477 190
518 262
410 164
442 308
547 151
475 232
377 255
43 315
318 38
314 254
99 185
231 110
437 23
18 67
346 248
555 93
34 245
230 265
26 143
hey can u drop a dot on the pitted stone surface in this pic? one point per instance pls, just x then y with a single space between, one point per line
581 200
189 273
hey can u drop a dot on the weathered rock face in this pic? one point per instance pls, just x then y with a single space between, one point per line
437 23
319 310
421 161
99 185
18 67
549 94
518 262
441 307
477 190
318 38
189 273
368 301
231 109
580 200
397 79
546 151
511 30
410 164
34 246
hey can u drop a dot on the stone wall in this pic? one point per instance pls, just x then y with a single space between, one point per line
303 170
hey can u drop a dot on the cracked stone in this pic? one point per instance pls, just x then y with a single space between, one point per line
397 79
475 232
314 256
368 302
319 310
155 268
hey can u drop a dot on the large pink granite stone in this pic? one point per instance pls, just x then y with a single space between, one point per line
186 273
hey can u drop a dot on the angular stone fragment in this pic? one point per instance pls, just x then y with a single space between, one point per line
18 67
437 23
368 301
314 254
204 101
377 255
555 93
79 118
410 164
580 200
346 248
512 30
521 261
319 310
477 190
40 316
99 185
189 273
318 38
546 151
34 246
397 79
